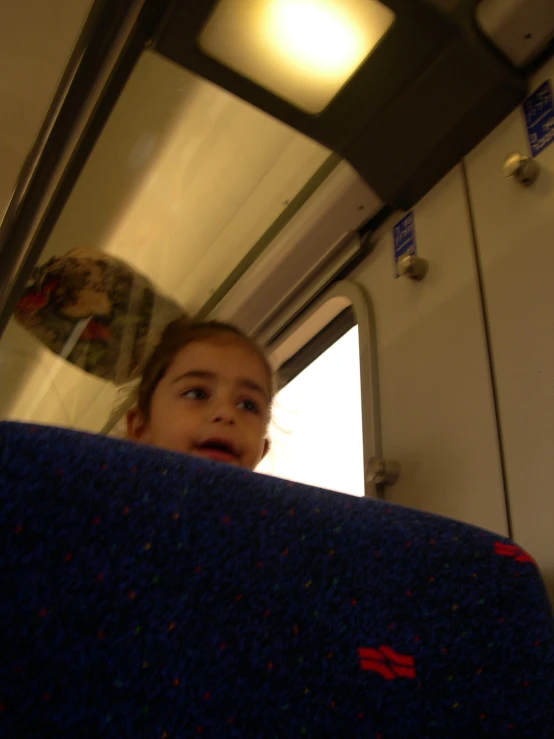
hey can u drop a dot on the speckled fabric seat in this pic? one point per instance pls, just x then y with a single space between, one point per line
148 594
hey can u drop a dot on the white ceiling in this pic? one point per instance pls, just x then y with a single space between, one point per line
36 40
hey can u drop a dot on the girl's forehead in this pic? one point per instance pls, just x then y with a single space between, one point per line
229 357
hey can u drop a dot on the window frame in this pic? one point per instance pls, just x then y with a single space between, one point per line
311 326
317 346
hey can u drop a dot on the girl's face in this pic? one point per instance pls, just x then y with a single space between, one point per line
213 402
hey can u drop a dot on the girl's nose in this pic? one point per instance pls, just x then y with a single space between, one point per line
224 419
224 414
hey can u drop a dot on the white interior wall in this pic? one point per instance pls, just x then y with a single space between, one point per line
515 238
437 406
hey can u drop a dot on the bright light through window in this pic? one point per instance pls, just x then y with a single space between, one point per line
302 50
316 432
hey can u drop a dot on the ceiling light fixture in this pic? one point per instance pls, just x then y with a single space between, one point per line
305 51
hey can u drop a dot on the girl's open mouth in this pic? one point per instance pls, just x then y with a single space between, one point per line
220 450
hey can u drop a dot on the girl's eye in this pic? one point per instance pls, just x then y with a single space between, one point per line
195 393
249 405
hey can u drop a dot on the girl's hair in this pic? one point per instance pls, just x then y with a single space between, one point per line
178 334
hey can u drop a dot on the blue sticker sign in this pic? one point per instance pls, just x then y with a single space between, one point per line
539 117
404 238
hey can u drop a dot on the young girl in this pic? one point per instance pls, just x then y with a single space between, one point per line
206 390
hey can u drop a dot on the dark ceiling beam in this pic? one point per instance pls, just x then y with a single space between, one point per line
428 93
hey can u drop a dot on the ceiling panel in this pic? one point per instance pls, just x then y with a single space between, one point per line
183 180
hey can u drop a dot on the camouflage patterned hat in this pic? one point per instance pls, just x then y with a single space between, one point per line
96 312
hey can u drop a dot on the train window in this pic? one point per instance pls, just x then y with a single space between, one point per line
316 432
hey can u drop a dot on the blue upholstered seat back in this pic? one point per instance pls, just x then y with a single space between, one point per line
147 594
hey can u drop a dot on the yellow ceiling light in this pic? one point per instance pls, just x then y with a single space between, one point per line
302 50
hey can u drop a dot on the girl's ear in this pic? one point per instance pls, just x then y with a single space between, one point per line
267 447
137 427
